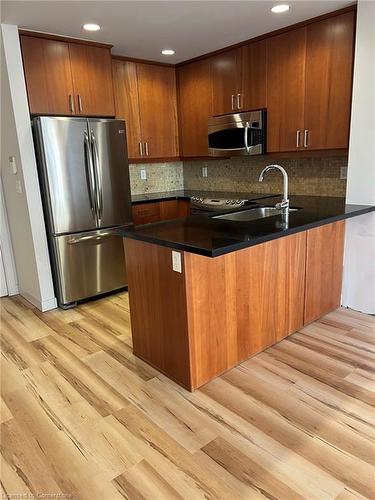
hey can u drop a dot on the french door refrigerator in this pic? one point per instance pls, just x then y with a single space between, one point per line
84 176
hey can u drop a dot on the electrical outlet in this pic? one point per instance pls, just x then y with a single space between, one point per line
205 171
343 172
143 174
176 261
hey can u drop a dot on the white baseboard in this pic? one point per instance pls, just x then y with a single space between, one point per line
45 305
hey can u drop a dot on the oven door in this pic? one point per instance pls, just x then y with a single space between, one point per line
237 134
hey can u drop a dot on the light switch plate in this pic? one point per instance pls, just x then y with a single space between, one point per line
176 261
143 174
205 171
13 164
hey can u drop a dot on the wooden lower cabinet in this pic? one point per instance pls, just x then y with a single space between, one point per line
145 213
219 311
324 268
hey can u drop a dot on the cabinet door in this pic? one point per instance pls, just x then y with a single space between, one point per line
226 79
324 266
254 70
329 67
48 76
195 107
145 213
127 103
285 90
92 80
158 110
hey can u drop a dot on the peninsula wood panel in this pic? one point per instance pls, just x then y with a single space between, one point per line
158 309
195 107
48 75
127 103
158 109
254 75
285 89
240 303
226 80
324 268
92 80
329 68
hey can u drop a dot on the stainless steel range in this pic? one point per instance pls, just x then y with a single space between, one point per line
200 205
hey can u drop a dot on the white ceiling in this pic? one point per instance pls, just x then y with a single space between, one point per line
141 29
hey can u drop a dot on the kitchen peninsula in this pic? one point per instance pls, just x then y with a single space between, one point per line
207 293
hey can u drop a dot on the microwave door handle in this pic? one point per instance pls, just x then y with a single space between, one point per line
98 177
90 175
246 137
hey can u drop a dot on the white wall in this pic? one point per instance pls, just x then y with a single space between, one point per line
359 261
24 209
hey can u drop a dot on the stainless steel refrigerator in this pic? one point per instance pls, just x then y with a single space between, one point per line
84 176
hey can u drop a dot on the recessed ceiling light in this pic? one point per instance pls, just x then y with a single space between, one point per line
283 7
168 52
91 27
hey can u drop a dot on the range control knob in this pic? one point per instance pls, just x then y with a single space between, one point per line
227 202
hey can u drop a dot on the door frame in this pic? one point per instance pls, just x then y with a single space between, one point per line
7 249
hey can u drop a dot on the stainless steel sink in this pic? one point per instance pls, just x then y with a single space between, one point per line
253 213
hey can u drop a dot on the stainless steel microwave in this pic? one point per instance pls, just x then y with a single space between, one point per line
237 134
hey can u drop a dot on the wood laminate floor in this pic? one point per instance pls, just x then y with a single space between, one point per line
82 418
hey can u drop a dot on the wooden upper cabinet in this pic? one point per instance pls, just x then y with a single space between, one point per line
48 75
127 104
254 75
158 110
195 107
285 90
226 81
329 66
92 80
67 78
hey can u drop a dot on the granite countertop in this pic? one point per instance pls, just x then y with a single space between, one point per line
211 237
187 194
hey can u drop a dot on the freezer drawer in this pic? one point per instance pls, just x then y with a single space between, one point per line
88 264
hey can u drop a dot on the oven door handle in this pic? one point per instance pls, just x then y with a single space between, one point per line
246 137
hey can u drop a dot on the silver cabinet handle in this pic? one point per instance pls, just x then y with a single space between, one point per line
146 148
140 148
306 139
71 103
233 102
98 176
239 101
298 139
79 100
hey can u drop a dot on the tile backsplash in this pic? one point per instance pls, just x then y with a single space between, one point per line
307 176
159 177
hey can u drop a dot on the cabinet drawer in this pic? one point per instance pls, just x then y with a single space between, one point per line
146 213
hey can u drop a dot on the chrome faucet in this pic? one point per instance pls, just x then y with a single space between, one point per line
284 204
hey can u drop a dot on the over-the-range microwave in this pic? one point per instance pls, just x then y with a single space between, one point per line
237 134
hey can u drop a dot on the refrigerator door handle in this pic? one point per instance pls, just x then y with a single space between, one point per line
98 177
90 175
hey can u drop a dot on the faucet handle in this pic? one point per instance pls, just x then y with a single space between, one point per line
283 205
